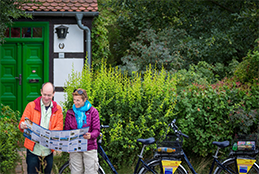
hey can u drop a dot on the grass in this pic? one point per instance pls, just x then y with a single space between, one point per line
200 164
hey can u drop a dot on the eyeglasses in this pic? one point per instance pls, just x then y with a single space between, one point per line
79 92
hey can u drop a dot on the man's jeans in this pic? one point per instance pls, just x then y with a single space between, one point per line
40 164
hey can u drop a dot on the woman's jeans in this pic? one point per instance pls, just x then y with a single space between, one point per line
40 164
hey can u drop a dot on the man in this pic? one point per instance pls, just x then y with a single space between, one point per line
48 114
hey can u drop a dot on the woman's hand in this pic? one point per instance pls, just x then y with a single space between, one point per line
87 136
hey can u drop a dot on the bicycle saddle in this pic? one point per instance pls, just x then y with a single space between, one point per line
221 144
150 140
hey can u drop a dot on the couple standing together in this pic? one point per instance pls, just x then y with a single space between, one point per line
48 114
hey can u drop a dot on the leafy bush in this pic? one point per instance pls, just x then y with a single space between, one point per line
9 137
136 107
203 74
203 115
248 69
243 121
211 112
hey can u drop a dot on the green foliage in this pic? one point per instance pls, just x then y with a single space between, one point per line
168 48
215 112
220 30
103 36
9 139
203 112
204 74
100 43
243 120
9 10
136 107
248 69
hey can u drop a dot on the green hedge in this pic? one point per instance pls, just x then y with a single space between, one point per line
9 139
216 112
141 106
134 107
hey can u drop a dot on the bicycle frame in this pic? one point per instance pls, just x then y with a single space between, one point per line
106 158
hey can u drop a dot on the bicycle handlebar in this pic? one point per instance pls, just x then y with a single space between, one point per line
176 131
104 126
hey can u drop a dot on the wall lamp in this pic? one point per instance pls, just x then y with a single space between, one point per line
61 31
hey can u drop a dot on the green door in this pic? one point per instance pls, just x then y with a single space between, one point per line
23 65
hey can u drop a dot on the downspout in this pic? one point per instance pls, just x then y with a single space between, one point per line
79 17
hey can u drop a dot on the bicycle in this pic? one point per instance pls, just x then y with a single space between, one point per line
65 167
176 154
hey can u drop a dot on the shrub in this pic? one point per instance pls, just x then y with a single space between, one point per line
203 113
216 112
136 107
243 120
248 69
9 136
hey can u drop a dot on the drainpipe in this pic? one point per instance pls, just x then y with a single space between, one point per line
79 17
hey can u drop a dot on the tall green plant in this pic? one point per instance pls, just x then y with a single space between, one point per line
100 42
9 139
135 107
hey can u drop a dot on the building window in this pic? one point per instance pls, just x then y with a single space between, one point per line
15 32
37 32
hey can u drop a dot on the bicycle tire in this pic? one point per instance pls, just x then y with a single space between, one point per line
154 164
230 165
64 169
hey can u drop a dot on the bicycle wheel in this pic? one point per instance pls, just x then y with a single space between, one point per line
66 170
231 166
154 164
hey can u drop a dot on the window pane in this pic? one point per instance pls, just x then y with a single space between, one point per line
26 32
37 32
7 32
15 32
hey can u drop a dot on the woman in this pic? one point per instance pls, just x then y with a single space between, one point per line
83 114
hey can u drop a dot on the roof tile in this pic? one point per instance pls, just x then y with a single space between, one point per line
62 5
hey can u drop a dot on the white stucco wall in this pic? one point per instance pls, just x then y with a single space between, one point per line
62 70
59 97
73 43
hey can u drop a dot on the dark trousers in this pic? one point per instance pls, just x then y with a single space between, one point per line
40 164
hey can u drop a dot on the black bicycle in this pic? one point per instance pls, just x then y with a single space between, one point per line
170 154
65 167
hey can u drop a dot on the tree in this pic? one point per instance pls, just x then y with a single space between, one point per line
9 10
222 30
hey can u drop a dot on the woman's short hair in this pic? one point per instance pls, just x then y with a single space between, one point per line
80 92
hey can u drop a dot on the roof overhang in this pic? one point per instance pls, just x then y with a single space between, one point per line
62 14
